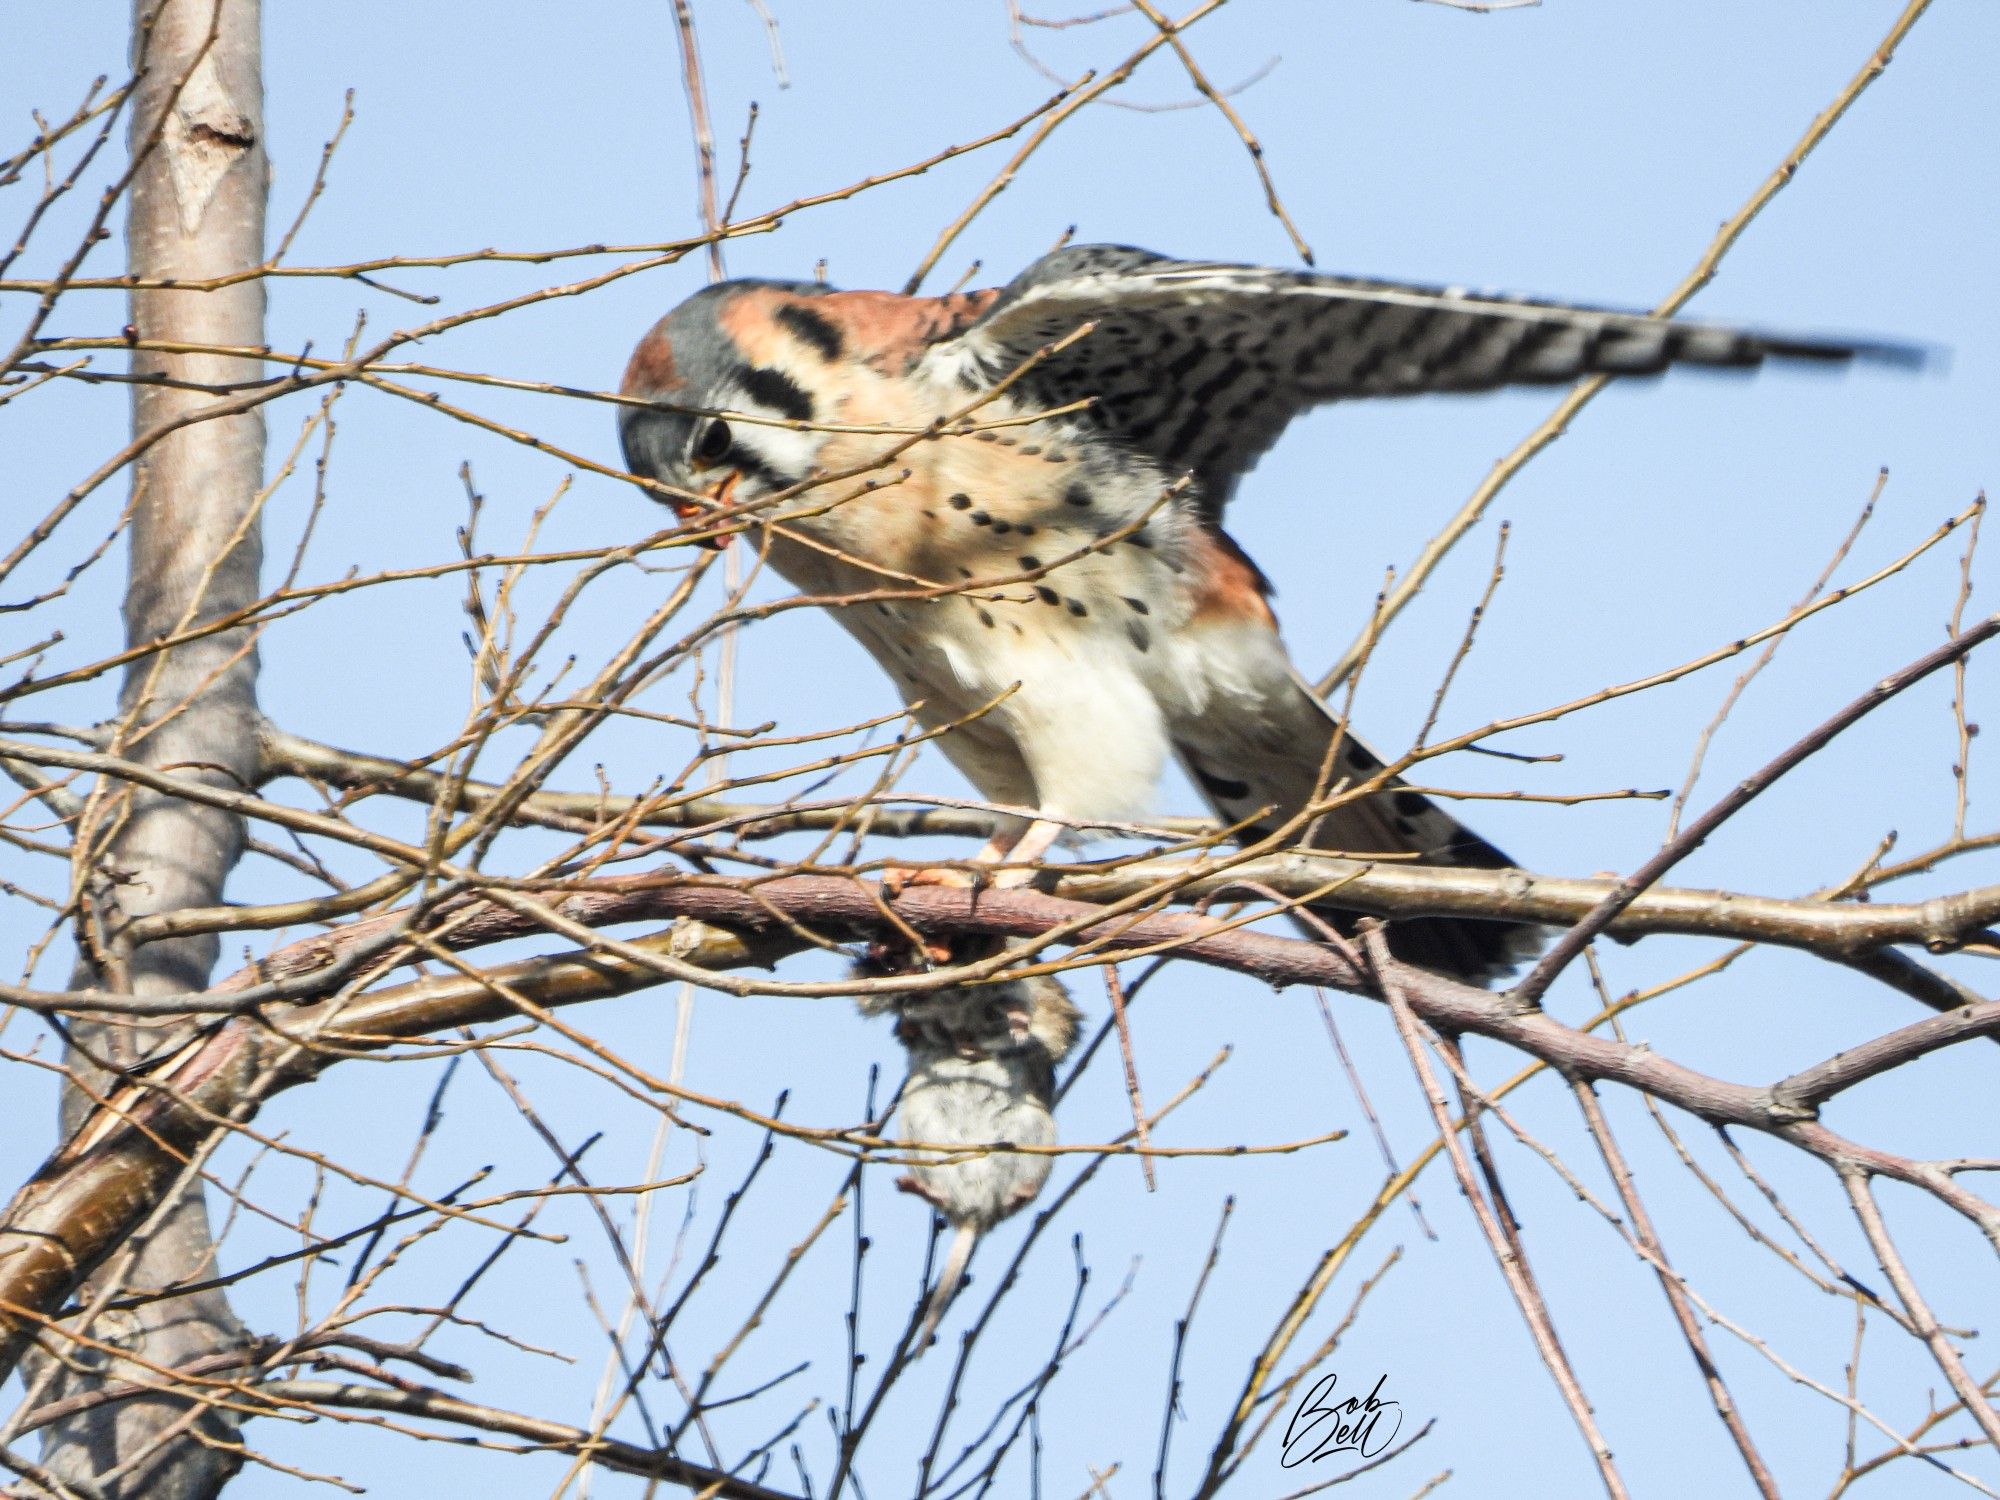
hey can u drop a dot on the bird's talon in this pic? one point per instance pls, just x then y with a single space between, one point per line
892 955
897 879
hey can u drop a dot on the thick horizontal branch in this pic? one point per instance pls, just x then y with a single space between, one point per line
1856 934
88 1196
1846 931
1843 930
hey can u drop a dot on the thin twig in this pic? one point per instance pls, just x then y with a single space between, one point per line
1584 391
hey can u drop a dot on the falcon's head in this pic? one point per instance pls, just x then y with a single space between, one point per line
751 379
724 350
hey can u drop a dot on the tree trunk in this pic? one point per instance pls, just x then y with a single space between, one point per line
196 211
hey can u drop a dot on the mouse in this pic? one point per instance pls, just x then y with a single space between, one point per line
982 1072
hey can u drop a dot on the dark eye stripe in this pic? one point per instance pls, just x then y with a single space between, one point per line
777 390
750 466
813 329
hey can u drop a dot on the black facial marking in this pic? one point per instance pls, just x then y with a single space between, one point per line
1046 594
1137 604
751 466
811 328
1029 564
1141 636
1001 528
1075 607
980 518
960 502
777 390
985 618
1025 529
1078 496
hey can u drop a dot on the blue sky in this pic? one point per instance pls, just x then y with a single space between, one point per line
1583 151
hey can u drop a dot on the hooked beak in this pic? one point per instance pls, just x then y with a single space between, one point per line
719 496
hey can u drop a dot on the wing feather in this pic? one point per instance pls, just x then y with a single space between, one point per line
1203 365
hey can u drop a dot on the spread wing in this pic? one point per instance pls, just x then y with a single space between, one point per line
1202 365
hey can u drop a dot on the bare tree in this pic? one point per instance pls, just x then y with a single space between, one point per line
197 185
390 880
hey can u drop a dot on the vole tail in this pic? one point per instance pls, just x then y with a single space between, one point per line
955 1260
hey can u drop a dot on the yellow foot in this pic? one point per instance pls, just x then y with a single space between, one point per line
896 879
934 952
899 878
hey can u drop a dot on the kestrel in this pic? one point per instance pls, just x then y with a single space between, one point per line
1015 498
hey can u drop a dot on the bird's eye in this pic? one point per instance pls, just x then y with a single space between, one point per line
713 445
